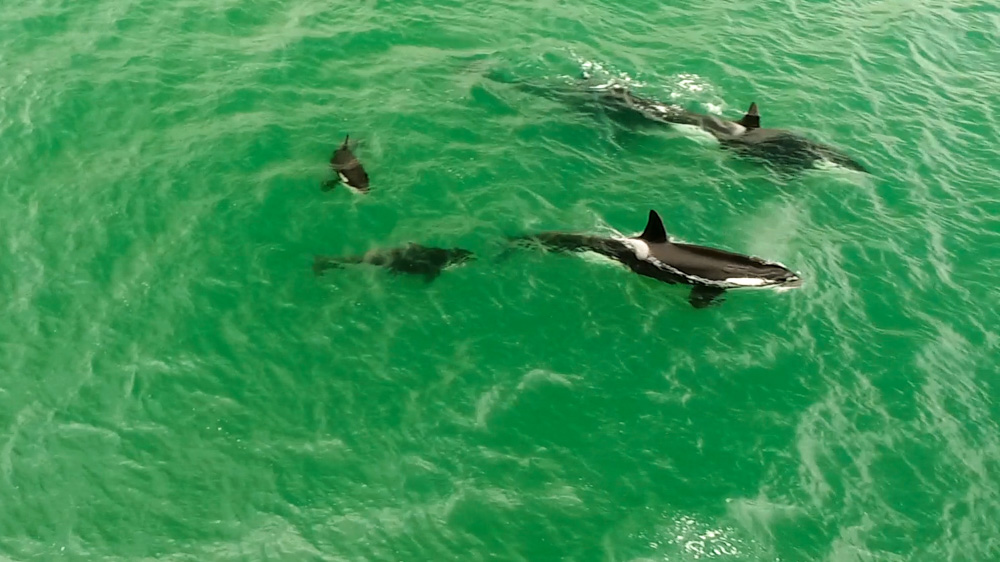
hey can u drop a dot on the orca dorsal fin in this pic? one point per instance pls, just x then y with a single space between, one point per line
346 139
654 232
752 119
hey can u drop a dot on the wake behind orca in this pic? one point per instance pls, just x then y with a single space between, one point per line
710 271
412 259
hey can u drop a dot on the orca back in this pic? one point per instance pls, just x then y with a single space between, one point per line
713 264
348 167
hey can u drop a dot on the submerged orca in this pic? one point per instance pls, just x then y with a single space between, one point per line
349 169
709 271
779 147
413 259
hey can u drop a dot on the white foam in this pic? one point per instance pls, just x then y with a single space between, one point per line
824 164
640 248
691 85
697 134
591 69
829 165
591 256
788 287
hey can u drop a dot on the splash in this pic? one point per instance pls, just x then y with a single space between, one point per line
604 76
687 538
683 86
692 83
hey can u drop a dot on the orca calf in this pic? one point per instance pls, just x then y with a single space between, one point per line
349 169
413 259
709 271
779 147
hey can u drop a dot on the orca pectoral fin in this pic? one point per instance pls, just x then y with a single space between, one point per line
330 184
430 276
703 297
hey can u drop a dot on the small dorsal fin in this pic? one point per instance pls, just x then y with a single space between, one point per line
752 119
346 138
654 232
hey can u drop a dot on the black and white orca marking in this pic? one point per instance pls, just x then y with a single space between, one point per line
412 259
709 271
348 168
778 147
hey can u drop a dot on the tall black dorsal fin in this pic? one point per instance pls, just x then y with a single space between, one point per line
654 232
752 119
346 138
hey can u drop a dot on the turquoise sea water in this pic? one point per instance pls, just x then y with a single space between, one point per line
177 384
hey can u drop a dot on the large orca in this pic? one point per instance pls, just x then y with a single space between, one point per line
413 259
349 169
709 271
783 148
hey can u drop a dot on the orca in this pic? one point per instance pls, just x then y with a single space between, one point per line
709 271
783 150
780 148
412 259
349 169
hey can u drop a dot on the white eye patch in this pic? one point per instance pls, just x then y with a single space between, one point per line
696 133
746 281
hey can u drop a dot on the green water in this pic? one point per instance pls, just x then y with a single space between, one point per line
177 384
